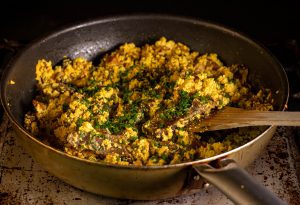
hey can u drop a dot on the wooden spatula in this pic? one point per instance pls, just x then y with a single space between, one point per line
231 117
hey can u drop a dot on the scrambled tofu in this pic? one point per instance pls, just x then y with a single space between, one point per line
135 106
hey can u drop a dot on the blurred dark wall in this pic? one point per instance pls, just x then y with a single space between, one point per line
264 21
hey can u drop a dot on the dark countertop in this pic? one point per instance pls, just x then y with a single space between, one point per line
263 21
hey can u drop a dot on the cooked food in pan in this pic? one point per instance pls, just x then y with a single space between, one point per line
136 106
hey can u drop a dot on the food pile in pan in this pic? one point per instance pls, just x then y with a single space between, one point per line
135 107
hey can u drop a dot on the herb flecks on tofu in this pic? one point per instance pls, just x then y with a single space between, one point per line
135 105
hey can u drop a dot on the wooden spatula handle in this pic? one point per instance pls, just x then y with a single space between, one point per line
237 117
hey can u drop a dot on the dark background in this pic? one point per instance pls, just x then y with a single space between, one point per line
266 22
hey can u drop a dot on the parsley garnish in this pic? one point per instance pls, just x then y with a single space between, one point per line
65 107
79 122
181 108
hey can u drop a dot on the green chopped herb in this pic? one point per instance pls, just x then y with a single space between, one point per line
181 108
154 158
79 122
85 101
203 99
65 107
165 157
161 125
170 85
133 138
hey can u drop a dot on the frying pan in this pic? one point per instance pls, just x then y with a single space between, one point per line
91 40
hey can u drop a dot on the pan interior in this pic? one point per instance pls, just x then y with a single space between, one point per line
91 40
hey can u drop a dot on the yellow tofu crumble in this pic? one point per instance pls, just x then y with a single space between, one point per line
135 106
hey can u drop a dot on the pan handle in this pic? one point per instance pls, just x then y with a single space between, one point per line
237 184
